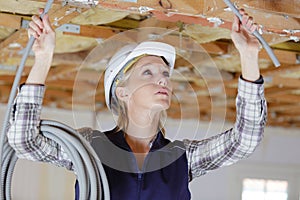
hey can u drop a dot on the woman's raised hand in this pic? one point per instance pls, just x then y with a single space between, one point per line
241 33
43 48
44 34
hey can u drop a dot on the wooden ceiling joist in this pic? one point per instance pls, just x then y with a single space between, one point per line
198 93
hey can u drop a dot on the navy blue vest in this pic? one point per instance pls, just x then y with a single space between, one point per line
164 174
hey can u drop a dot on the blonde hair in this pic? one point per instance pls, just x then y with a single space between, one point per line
122 111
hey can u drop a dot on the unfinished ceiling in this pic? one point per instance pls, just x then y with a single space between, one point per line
207 67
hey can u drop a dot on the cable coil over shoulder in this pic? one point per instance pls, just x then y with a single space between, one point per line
88 168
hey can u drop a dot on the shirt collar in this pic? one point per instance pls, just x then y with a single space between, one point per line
118 139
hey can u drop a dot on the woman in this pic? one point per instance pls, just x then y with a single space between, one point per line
138 90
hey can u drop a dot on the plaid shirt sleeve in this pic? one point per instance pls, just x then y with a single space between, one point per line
237 143
24 132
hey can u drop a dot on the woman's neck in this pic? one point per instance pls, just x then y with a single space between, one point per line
141 130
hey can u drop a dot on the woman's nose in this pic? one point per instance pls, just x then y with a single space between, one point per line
163 81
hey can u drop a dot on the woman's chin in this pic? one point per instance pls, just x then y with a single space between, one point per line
160 107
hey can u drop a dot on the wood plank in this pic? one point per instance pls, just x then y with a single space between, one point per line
183 11
96 31
142 6
286 82
17 41
276 90
27 7
192 7
53 94
284 107
75 59
190 19
284 98
283 69
286 7
288 57
9 79
4 93
270 22
11 21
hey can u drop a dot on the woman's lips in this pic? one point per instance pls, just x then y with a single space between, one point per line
163 91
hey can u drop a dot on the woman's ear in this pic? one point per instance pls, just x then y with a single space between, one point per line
122 93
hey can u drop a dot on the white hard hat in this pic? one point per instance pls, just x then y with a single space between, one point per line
129 52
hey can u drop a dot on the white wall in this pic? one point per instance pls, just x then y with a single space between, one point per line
277 156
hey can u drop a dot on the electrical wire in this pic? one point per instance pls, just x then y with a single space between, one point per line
256 34
88 168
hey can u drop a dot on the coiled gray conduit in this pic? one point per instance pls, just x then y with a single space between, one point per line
86 162
79 151
87 159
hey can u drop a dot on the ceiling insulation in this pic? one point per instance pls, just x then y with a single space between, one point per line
71 43
204 34
98 16
207 67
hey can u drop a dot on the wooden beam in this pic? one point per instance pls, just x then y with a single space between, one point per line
197 7
190 12
282 70
143 6
288 57
53 94
8 79
10 21
190 19
286 82
224 20
284 98
96 31
17 41
284 7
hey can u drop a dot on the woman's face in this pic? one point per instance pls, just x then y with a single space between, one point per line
149 85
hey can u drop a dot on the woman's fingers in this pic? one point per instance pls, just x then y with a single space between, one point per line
242 11
35 26
37 20
236 24
33 33
41 10
245 18
34 30
247 22
47 23
254 27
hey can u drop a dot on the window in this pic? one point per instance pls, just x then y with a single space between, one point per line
263 189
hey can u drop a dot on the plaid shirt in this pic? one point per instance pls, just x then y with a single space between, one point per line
220 150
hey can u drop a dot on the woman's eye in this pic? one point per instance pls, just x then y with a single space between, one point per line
166 74
147 72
